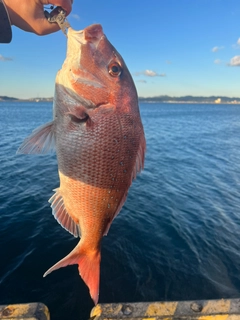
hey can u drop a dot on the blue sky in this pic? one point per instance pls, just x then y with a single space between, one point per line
171 47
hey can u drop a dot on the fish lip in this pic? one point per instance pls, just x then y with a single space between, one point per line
77 34
76 40
92 34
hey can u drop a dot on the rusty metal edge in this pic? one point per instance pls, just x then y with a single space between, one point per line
222 309
33 311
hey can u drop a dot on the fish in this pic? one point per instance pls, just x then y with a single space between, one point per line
99 140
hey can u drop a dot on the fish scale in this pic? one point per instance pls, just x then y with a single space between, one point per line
99 140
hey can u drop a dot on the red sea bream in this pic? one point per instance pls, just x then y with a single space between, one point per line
99 140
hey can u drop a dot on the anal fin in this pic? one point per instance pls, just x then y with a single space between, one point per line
61 215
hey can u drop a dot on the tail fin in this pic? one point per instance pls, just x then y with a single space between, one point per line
88 266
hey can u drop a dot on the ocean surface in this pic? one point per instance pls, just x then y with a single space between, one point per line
176 238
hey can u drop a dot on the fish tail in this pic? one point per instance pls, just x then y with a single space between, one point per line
89 270
88 266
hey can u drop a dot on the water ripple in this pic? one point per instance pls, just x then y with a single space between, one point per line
177 236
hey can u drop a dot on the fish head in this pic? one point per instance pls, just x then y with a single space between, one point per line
94 74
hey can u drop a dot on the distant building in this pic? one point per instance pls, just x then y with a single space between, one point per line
218 100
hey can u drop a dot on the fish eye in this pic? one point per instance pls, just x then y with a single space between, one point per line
114 69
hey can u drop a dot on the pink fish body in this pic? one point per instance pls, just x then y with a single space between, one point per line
100 145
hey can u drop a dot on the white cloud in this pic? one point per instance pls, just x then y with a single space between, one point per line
216 49
75 16
236 45
2 58
149 73
234 62
217 61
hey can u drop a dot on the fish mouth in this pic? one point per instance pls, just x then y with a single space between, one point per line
73 71
91 34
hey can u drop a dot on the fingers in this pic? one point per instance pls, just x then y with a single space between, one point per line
48 27
65 4
44 27
29 16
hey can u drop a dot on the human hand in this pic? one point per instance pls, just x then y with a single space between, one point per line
28 15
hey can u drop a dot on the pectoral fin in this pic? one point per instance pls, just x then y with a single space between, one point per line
41 140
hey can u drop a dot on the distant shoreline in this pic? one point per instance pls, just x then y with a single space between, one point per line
12 99
191 99
158 99
191 102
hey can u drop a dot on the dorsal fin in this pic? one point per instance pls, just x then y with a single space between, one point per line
61 215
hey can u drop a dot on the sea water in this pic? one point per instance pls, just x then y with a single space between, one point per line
176 238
